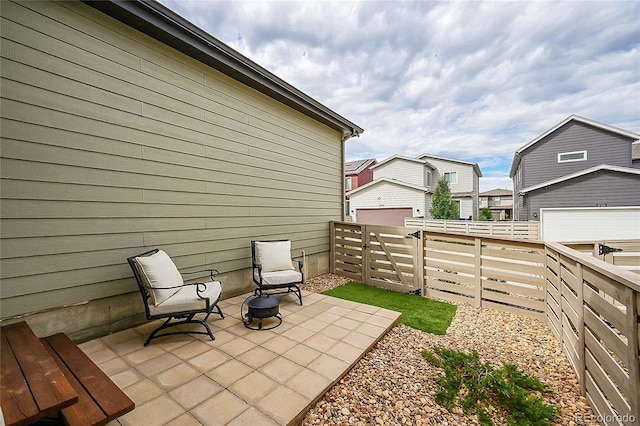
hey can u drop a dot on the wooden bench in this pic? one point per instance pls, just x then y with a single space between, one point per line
33 386
51 378
99 399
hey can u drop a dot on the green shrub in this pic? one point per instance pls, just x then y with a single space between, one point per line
478 387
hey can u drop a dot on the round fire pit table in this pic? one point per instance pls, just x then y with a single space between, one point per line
261 307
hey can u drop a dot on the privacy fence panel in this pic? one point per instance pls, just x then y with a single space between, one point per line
347 255
507 229
392 258
622 253
377 255
593 310
513 276
450 271
497 273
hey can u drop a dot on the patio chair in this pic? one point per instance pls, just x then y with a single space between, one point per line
166 296
273 268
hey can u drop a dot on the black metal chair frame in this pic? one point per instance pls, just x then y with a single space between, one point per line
182 317
264 288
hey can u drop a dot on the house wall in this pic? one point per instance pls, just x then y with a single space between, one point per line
406 171
466 176
519 203
476 196
361 178
113 143
466 208
599 189
540 161
468 181
388 195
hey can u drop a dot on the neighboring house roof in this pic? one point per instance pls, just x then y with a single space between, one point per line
164 25
581 173
518 155
401 157
453 160
392 181
498 192
357 166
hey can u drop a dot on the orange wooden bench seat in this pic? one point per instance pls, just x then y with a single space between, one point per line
99 399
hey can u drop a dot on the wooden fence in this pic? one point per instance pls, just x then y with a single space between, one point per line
591 306
390 256
507 229
622 253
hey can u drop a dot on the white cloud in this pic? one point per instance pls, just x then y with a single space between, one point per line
472 80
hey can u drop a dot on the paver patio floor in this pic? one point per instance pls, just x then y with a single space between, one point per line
243 377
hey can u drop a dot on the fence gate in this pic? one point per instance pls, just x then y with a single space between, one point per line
382 256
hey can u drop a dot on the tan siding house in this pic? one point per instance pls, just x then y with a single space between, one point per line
403 186
405 169
115 141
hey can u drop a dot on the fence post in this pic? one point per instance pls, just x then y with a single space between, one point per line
419 272
332 249
366 246
478 271
582 348
633 347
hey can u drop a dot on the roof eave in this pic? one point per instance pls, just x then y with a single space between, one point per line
162 24
579 173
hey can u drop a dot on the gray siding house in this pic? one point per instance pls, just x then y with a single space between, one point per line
125 127
577 163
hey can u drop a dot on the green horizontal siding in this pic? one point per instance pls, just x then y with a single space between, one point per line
113 143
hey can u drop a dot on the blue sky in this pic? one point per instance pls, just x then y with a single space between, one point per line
472 80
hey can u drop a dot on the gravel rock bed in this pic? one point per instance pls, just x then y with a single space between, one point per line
392 384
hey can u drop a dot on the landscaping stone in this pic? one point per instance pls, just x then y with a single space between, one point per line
394 384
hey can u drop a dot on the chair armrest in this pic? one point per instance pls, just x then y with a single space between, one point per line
300 264
212 272
164 288
200 287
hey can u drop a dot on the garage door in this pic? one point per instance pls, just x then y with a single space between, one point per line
387 217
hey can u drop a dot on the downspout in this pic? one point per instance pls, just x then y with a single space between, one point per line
345 136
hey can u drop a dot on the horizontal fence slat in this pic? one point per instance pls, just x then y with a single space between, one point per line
603 307
518 302
515 310
439 285
606 334
604 357
603 381
597 401
453 297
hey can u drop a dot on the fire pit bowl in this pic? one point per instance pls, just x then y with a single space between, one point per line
261 307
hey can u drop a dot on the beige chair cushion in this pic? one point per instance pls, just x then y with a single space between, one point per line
281 277
186 299
274 255
158 270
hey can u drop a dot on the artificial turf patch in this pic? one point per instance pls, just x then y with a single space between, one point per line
418 312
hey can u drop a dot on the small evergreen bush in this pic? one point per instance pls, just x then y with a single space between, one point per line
478 387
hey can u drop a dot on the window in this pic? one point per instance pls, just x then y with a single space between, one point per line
565 157
347 208
451 177
496 201
347 184
428 178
